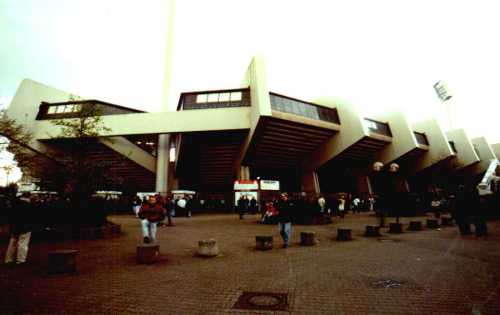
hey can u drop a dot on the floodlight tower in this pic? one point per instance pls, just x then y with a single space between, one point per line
163 147
444 94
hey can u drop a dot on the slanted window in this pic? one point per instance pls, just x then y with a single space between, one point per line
52 110
201 98
60 109
224 97
235 96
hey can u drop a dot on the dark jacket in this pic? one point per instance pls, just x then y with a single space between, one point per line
285 210
21 217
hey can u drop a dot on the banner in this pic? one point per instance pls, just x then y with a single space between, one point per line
269 185
246 185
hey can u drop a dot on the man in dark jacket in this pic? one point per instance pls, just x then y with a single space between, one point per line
285 207
21 225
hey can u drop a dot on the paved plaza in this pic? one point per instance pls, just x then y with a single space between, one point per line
425 272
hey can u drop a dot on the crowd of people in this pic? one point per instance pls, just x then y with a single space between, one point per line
28 212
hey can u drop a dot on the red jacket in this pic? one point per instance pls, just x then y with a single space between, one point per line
153 213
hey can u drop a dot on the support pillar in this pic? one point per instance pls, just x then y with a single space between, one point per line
310 182
162 163
244 173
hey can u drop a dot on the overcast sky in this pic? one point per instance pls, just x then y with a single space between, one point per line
376 54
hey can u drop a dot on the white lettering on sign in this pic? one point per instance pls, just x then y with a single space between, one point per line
246 185
269 185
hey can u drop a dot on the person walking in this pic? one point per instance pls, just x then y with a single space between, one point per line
136 205
151 213
285 208
21 225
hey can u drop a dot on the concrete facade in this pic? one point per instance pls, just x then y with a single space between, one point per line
265 137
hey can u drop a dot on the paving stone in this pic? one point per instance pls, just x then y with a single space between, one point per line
441 271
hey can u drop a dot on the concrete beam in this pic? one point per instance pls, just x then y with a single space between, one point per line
496 149
164 122
128 149
256 78
439 148
403 139
485 152
465 155
351 131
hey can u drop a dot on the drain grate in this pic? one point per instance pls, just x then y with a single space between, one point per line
387 284
262 301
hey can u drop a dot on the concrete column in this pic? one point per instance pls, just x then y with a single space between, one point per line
244 173
310 182
162 163
364 185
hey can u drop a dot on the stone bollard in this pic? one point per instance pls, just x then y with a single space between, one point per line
62 261
344 234
307 238
446 221
208 248
415 226
148 253
264 242
372 231
432 224
396 228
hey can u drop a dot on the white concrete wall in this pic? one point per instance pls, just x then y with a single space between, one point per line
496 149
351 131
403 139
24 105
486 154
465 151
256 79
163 122
439 149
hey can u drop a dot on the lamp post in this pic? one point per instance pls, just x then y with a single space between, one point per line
393 169
380 202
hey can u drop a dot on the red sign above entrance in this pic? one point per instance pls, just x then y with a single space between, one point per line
246 185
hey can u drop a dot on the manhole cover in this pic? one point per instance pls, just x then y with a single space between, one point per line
262 301
387 284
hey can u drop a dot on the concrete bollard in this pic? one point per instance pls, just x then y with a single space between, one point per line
62 261
446 221
148 253
432 224
415 226
344 234
208 248
263 242
396 228
372 231
307 238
